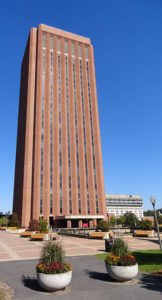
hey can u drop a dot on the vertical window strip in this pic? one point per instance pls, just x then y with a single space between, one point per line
68 129
76 134
42 127
60 145
84 134
51 129
92 136
73 49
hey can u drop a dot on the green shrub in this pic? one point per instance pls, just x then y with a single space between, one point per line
146 224
34 225
103 225
43 225
3 221
121 220
113 220
119 247
14 221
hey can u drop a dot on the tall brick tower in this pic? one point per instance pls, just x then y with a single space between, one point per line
59 171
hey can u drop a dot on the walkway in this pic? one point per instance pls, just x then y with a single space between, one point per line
90 282
12 247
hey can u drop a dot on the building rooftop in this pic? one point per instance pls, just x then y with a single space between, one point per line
123 197
65 34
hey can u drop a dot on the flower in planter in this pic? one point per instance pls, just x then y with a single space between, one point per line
54 267
127 260
123 260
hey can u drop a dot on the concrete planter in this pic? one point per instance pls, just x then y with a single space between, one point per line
107 235
122 273
54 282
16 231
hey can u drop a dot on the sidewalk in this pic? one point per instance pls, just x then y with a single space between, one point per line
90 281
12 247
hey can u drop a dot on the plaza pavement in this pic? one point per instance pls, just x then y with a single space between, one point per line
90 281
19 256
12 247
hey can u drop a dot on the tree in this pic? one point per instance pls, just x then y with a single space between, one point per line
148 213
130 219
146 224
3 221
113 220
103 225
121 220
159 219
43 225
34 225
14 221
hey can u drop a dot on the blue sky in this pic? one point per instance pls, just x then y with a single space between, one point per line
127 40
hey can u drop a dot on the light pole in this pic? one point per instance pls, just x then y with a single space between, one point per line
153 200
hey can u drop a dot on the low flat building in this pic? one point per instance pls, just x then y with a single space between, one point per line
118 205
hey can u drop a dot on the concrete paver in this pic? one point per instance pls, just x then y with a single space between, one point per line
18 258
12 247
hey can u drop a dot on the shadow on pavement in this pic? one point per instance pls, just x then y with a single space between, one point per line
99 276
150 240
151 282
31 283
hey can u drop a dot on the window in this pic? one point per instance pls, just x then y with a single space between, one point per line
42 126
58 45
80 52
60 206
90 112
84 129
73 49
66 47
51 43
70 207
86 53
79 205
44 41
68 123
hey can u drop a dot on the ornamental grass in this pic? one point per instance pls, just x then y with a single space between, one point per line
52 259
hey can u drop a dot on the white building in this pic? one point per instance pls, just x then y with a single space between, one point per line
121 204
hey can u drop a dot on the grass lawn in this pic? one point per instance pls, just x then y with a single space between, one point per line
148 260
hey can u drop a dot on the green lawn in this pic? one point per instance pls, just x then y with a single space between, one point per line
148 260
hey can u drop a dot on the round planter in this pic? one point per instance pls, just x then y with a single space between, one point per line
122 273
54 282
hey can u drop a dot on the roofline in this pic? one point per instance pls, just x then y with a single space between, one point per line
118 195
64 34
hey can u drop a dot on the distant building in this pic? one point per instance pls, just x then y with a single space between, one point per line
118 205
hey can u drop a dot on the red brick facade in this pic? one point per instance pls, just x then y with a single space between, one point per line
78 119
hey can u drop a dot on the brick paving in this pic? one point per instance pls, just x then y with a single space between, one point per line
12 247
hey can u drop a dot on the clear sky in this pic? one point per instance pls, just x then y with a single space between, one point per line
127 40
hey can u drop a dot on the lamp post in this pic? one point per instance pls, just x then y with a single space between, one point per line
153 200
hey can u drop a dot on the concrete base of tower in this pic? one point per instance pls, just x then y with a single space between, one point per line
94 223
80 224
78 221
68 223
